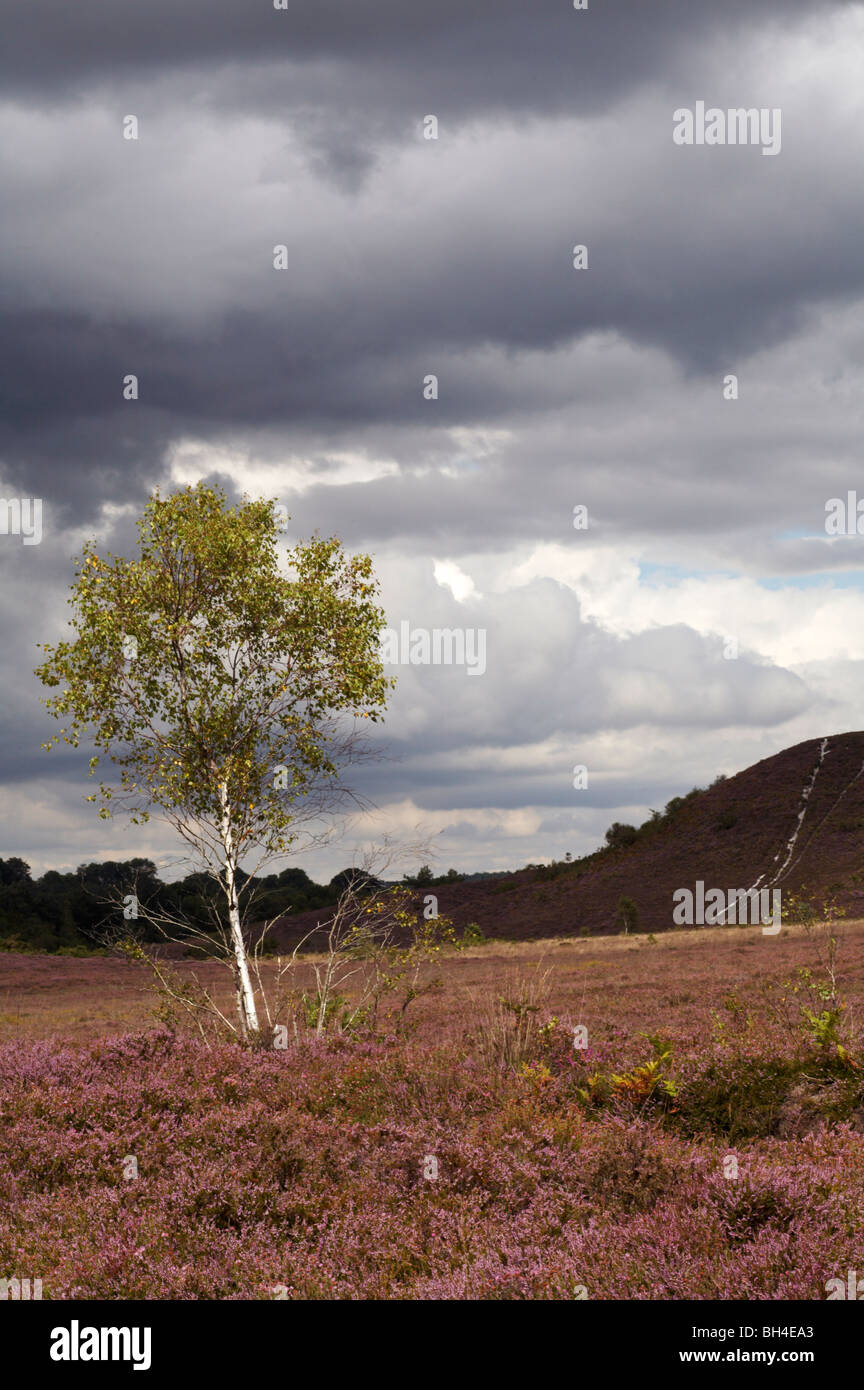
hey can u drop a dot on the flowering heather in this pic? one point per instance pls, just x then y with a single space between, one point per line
300 1174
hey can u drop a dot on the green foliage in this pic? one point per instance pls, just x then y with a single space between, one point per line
379 950
200 668
737 1095
323 1014
67 912
472 936
648 1086
821 1014
424 877
627 914
618 836
544 872
650 1081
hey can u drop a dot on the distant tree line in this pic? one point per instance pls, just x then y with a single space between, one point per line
424 877
75 912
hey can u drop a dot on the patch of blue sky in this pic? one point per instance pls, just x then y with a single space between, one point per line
664 576
667 576
822 579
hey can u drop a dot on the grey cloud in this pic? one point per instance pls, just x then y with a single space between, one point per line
409 258
491 52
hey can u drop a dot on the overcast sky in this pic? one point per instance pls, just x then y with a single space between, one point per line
611 647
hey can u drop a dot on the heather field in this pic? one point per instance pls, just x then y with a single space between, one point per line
705 1143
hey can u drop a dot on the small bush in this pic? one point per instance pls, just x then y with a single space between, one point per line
627 915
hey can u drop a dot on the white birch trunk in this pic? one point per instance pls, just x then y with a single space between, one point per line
245 993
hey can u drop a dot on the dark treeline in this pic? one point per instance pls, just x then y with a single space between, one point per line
81 910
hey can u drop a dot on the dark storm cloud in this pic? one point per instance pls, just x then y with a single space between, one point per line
469 56
702 288
345 348
443 295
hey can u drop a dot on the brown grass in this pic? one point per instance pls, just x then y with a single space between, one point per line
620 980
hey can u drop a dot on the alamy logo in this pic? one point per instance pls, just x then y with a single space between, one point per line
20 1289
844 516
736 906
21 516
76 1343
737 126
853 1288
442 646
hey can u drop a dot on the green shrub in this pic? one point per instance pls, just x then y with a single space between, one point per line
627 914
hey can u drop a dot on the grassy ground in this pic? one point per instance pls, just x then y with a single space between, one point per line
635 981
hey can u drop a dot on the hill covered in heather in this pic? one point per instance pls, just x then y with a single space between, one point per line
794 821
